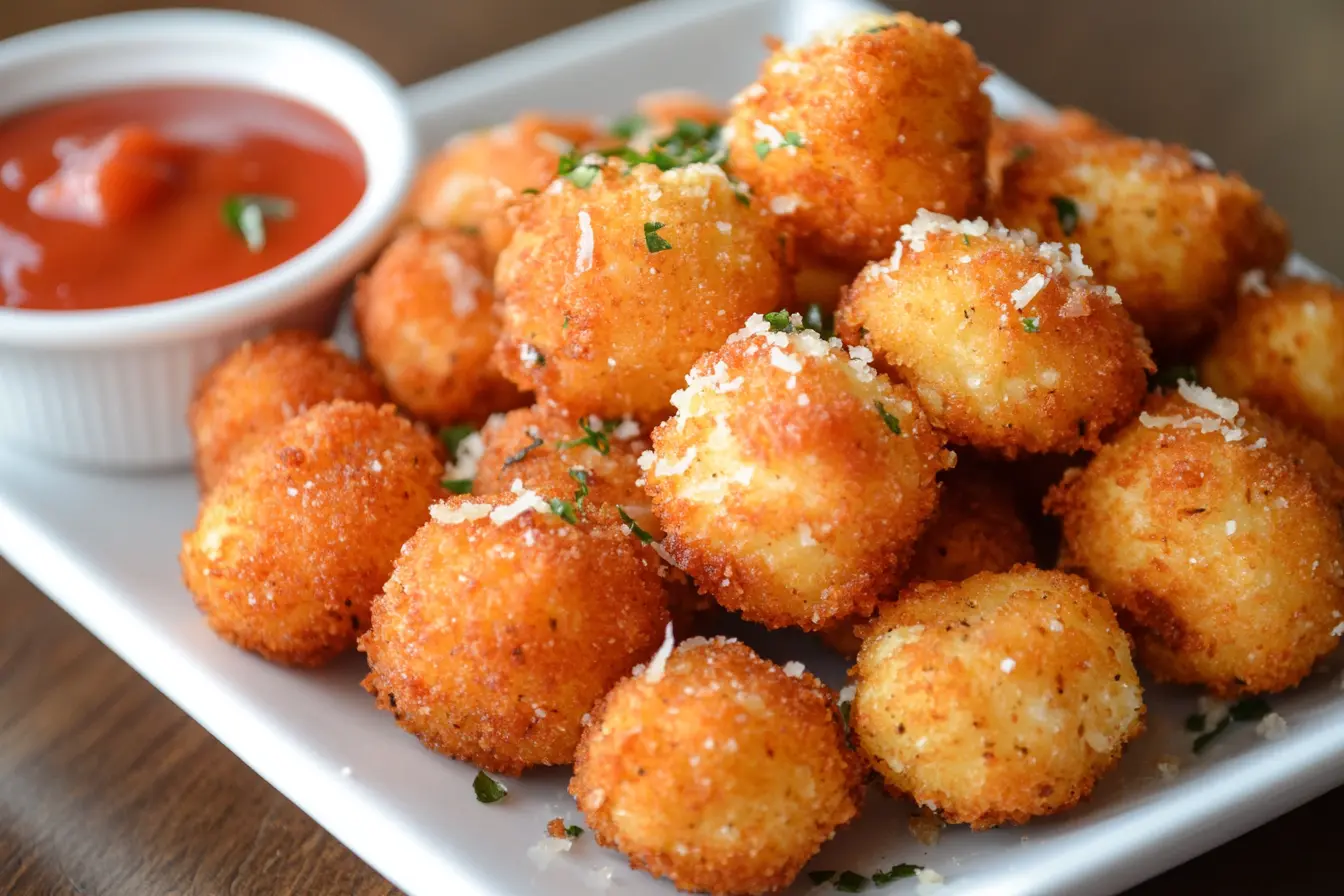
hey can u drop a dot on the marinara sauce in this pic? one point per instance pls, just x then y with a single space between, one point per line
145 195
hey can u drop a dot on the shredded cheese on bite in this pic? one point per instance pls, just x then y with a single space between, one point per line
583 258
658 664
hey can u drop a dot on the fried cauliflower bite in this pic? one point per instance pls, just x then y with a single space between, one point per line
1214 543
1155 221
426 317
976 528
794 479
1284 349
1008 344
1013 138
471 182
717 770
503 624
611 291
996 699
291 546
847 136
260 386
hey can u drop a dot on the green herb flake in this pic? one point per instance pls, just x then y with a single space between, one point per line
817 318
965 240
563 509
1169 377
688 131
793 138
458 486
635 529
573 831
763 149
468 230
583 176
1251 709
530 191
651 238
892 423
850 882
453 436
1067 212
564 325
820 877
1031 324
579 475
779 321
519 455
896 872
1023 152
488 790
594 438
627 126
246 215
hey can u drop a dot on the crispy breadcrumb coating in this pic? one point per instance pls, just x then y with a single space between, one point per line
291 546
996 699
1214 542
848 135
260 386
717 770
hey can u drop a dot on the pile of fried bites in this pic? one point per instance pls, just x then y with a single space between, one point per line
831 361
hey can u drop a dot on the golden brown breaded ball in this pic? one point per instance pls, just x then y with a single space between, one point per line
794 479
1011 139
427 319
996 699
717 770
1219 550
503 624
263 384
976 528
611 291
1154 220
1007 342
848 135
541 446
470 183
291 546
1284 349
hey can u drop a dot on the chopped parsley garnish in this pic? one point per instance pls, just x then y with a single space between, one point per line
578 172
564 324
1252 709
819 319
573 831
651 238
689 143
563 509
530 191
579 475
1031 324
594 438
628 126
635 529
1170 376
896 872
762 149
965 239
246 213
779 321
793 138
820 877
892 423
468 230
850 882
1023 152
688 132
520 454
488 790
1067 211
452 436
458 486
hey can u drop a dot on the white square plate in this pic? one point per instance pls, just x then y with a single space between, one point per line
105 548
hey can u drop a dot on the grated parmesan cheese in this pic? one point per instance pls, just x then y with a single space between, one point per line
1253 283
1023 295
952 27
462 513
784 362
469 453
583 259
464 283
794 669
1272 727
657 665
1205 398
547 848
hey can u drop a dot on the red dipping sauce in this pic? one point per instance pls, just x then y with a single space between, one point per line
146 195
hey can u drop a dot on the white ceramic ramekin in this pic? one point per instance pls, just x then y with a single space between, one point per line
111 388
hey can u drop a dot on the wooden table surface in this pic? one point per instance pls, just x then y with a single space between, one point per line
107 788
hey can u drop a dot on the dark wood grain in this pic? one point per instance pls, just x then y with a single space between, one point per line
107 788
